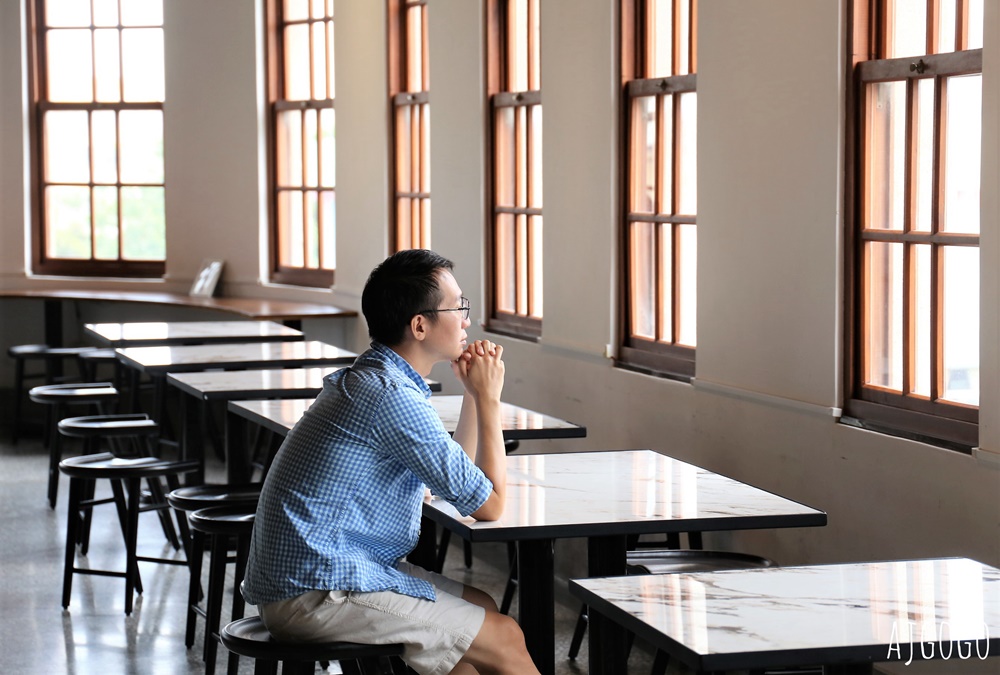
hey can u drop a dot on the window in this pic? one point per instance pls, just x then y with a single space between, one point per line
916 142
98 91
303 147
409 81
514 248
659 240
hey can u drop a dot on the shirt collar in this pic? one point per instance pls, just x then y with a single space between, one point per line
403 365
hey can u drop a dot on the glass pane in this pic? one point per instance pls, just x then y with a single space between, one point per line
683 38
103 130
920 315
884 315
142 12
642 281
142 59
296 9
521 264
143 230
521 157
331 72
504 246
664 289
404 233
328 147
687 295
312 229
414 55
661 37
318 9
290 226
974 26
415 146
70 67
535 56
311 148
425 148
67 150
961 324
68 13
665 186
425 223
105 12
962 147
319 61
403 146
425 50
909 28
687 188
923 159
535 262
517 45
535 158
288 142
642 152
297 63
504 148
67 222
328 223
106 61
141 133
106 223
885 128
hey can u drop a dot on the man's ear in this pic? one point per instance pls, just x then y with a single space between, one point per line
418 327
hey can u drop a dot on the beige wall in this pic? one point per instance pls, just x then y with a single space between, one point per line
770 245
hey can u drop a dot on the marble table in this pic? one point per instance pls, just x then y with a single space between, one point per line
161 333
606 496
842 616
279 416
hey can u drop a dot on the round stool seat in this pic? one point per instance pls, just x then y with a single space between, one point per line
27 351
249 637
39 351
226 520
194 497
105 354
106 465
93 392
684 560
106 426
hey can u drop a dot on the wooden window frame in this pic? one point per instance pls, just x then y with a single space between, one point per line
653 356
924 418
39 105
500 96
417 232
280 273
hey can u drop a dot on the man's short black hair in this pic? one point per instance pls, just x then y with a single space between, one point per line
402 286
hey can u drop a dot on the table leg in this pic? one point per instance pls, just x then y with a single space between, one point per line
536 601
608 641
192 440
54 325
237 450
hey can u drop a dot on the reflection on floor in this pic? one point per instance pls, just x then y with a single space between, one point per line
94 635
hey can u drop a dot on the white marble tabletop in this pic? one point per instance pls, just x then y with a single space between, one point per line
623 492
810 615
517 422
246 384
159 360
158 333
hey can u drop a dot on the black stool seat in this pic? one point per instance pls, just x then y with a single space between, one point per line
249 637
106 426
227 520
686 560
58 396
194 497
130 472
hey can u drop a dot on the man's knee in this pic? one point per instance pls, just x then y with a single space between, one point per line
481 598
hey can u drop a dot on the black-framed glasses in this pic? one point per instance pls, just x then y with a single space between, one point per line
464 309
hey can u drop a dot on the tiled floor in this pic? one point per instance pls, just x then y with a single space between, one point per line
94 635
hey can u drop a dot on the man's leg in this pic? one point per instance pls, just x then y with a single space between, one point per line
499 646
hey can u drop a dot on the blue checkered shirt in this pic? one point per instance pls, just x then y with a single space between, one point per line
342 500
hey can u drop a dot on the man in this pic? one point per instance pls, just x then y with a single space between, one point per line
341 503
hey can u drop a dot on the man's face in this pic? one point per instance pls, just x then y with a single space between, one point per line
447 334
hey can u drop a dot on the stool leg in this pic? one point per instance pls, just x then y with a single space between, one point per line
194 586
262 667
158 499
239 605
72 523
216 586
15 425
131 537
55 453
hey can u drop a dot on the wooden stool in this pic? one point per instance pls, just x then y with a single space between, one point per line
51 372
98 394
131 472
249 637
220 524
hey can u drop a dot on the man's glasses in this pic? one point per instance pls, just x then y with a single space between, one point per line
464 309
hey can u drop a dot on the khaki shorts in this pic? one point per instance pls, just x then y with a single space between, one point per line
436 635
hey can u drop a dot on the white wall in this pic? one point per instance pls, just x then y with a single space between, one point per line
770 246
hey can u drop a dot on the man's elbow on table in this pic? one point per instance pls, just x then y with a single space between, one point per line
492 509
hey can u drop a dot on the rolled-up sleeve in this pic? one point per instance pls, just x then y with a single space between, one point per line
407 427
